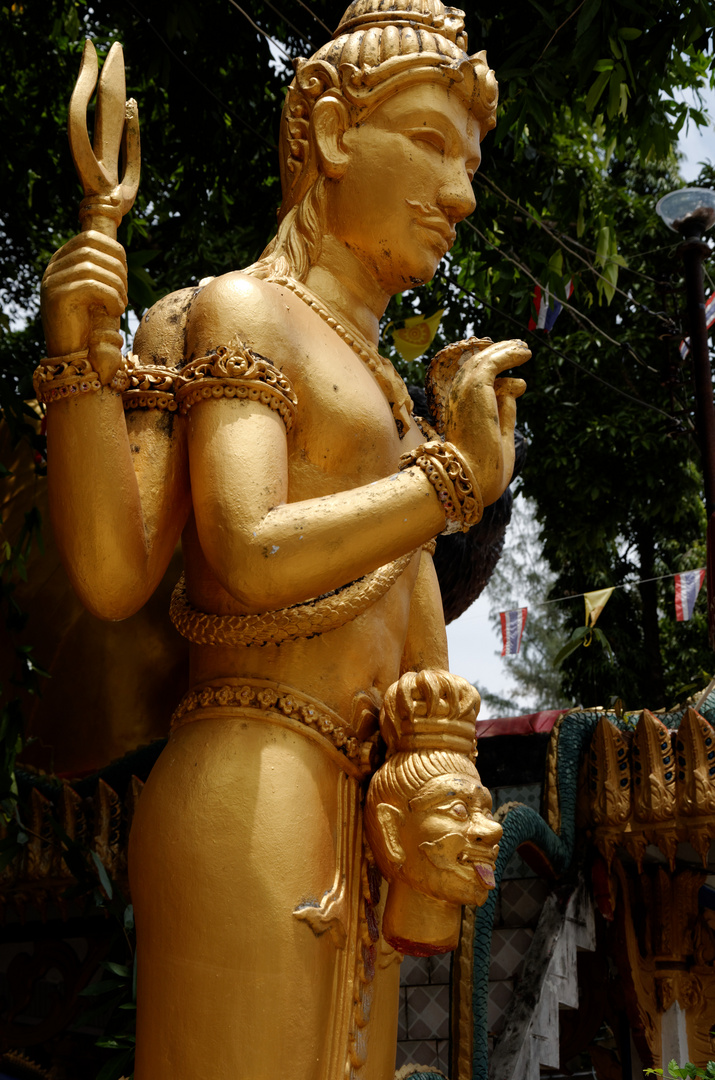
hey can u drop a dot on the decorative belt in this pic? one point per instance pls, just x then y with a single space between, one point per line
284 705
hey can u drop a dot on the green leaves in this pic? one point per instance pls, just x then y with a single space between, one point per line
685 1072
583 635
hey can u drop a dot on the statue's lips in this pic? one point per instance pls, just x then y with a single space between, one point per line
449 853
439 229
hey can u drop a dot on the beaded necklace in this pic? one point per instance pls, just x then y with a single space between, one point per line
382 370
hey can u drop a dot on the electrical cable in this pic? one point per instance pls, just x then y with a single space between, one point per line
576 315
564 241
316 17
227 108
300 34
559 352
260 30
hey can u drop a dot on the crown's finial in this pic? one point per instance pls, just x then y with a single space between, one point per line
430 710
430 15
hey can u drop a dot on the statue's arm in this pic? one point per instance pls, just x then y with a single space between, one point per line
118 500
118 490
269 553
426 641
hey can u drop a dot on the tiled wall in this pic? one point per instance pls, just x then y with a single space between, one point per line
423 1028
423 1032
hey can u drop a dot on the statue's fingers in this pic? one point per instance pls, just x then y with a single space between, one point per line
513 388
93 293
84 262
506 405
92 241
491 361
86 274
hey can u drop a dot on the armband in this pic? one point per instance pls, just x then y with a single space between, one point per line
236 372
149 386
452 479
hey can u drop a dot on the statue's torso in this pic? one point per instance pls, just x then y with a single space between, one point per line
344 436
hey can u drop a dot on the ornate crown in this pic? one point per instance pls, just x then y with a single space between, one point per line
430 710
420 14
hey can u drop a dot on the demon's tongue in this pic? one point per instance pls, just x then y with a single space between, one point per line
486 873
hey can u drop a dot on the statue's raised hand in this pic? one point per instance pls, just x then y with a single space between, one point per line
83 297
479 410
84 290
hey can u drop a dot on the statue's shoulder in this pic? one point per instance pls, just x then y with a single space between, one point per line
190 321
237 307
162 331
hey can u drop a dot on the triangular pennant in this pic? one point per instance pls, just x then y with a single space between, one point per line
595 603
417 335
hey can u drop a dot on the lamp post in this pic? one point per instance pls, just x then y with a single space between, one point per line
690 212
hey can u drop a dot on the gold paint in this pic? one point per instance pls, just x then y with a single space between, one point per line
462 1012
654 770
247 840
428 818
695 749
664 957
609 775
654 787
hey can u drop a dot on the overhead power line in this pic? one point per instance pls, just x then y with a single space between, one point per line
182 63
565 241
316 17
559 352
272 40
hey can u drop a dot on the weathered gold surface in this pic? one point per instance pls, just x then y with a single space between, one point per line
257 907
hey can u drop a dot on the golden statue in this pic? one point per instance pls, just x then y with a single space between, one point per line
256 420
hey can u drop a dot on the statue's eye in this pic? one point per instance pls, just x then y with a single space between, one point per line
460 811
429 136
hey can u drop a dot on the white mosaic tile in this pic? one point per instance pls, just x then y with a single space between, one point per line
427 1012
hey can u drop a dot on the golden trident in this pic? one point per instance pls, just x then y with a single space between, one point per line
107 198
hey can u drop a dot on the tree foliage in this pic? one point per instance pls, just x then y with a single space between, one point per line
589 116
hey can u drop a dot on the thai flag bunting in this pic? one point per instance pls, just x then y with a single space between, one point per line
546 313
687 587
709 320
512 627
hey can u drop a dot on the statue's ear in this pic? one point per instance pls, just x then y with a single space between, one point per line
330 121
390 819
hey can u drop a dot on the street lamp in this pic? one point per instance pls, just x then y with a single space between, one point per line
690 212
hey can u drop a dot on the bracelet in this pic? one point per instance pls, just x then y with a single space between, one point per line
149 387
60 377
452 479
236 372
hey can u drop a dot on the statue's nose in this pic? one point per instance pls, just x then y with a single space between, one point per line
485 831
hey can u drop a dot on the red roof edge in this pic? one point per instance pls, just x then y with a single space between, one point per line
533 724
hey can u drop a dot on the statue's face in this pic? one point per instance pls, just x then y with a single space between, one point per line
450 840
406 184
